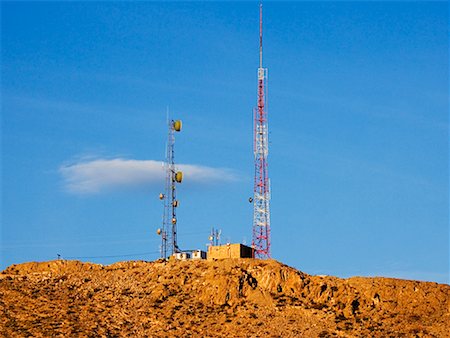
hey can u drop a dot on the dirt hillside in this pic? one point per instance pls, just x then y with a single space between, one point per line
232 298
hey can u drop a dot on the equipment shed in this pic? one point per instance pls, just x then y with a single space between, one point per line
230 251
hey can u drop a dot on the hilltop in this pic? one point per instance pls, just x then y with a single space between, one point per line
233 298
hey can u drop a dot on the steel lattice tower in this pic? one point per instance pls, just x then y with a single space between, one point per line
261 192
168 233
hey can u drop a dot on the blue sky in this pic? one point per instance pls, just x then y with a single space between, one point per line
358 114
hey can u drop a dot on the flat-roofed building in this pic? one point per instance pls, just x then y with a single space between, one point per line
229 251
198 254
182 256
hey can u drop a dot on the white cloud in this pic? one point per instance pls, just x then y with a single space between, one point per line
98 175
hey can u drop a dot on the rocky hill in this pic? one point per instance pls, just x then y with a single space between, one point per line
233 298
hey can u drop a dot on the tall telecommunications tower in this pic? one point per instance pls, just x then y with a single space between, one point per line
261 192
168 232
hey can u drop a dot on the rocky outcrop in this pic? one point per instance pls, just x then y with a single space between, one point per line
234 298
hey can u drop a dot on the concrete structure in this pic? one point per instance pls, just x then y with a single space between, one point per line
229 251
182 256
198 254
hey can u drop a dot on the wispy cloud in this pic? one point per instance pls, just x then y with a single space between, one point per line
99 175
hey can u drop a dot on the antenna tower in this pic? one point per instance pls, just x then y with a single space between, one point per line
214 238
261 192
168 233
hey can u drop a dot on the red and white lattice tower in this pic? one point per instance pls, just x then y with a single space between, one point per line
261 192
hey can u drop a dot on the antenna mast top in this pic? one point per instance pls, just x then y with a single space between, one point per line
260 36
